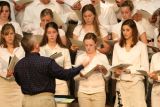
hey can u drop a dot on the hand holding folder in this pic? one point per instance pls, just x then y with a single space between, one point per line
13 61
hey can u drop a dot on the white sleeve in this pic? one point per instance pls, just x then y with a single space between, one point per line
28 24
67 60
76 30
140 29
61 32
144 58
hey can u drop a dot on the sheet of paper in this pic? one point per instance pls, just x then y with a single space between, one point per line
13 62
120 66
56 55
77 43
144 73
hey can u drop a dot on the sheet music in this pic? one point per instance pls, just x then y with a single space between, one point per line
120 66
12 63
78 43
56 55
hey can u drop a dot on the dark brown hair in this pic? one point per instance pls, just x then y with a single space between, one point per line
128 3
5 31
2 4
133 26
90 36
90 7
45 38
46 12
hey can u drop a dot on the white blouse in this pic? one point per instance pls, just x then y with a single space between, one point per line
80 32
155 63
95 82
64 60
4 58
116 29
137 57
32 12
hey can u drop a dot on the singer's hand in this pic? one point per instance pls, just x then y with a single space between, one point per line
118 72
153 76
9 73
101 69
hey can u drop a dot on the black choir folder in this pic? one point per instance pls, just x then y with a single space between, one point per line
56 55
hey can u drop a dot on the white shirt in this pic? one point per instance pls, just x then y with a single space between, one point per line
116 29
80 32
95 82
32 12
16 27
155 63
64 60
137 57
107 17
4 58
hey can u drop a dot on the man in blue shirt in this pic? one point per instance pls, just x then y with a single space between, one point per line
36 75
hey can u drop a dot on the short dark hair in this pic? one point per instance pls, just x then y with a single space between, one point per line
46 12
45 38
133 26
90 36
128 3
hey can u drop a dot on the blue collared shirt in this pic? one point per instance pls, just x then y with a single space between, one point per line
36 74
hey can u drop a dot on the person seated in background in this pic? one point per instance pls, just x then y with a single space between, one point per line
47 16
5 17
126 12
32 12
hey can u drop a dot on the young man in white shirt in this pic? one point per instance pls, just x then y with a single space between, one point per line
32 12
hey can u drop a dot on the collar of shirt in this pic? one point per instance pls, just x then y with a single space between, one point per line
56 47
32 54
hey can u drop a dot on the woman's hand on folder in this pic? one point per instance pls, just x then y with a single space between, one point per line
118 72
102 69
9 73
153 76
